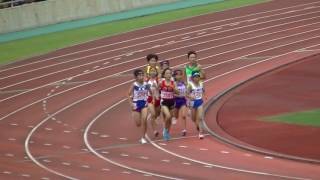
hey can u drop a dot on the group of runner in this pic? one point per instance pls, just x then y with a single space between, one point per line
166 93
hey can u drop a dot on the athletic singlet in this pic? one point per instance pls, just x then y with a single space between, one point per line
153 83
189 71
148 68
140 91
167 91
181 87
196 91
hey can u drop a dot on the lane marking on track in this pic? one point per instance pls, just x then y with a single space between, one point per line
105 169
85 137
31 157
256 58
92 150
165 32
104 78
147 48
153 143
225 152
306 50
268 157
160 53
14 91
26 175
114 146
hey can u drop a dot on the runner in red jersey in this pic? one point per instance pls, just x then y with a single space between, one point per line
167 92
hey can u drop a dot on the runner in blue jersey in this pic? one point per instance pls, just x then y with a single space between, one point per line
137 96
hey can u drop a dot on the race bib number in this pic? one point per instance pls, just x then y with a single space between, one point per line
182 91
198 94
141 95
166 95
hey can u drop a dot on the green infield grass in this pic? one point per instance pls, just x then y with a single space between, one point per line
306 118
24 48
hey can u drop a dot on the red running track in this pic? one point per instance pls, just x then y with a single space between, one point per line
63 114
293 88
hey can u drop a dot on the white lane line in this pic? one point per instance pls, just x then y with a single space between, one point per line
174 30
104 136
9 155
94 133
85 137
91 62
66 147
144 157
14 91
26 175
15 96
47 161
268 157
306 50
22 108
66 163
85 166
142 66
33 130
221 166
153 143
203 149
105 169
225 152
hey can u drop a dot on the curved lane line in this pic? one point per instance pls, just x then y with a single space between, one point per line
76 102
183 157
234 59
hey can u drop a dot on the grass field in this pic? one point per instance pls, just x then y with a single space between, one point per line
21 49
306 118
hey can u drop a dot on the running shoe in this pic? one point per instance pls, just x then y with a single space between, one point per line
166 135
143 141
184 132
201 136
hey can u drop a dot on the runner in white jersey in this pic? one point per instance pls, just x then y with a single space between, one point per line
195 93
137 96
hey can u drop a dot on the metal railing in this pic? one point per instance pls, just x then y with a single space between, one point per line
12 3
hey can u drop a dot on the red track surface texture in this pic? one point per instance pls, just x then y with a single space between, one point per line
292 89
64 115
